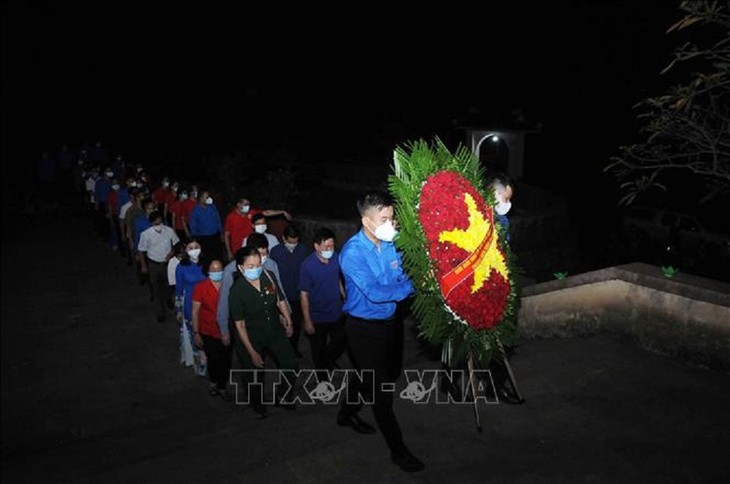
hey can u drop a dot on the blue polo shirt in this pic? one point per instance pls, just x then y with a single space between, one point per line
321 282
141 223
374 278
289 264
186 277
101 189
205 221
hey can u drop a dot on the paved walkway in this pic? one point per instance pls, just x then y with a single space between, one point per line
92 392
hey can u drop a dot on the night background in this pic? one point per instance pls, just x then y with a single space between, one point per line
179 90
300 108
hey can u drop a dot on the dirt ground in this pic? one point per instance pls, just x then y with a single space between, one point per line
92 391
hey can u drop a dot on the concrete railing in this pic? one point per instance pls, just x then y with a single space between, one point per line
684 316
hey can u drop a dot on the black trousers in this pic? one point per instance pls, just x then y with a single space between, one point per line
327 344
296 320
219 360
159 285
376 346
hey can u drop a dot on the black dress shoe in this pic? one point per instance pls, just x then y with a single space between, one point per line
407 461
286 405
260 411
358 424
507 396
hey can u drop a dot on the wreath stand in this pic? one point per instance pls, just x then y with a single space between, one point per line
473 383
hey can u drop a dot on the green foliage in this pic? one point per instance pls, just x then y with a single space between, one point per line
686 129
560 275
413 164
669 271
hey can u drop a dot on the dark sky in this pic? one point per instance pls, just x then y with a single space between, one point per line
143 78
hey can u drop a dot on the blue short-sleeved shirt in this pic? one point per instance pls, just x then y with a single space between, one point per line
321 282
289 266
186 277
205 221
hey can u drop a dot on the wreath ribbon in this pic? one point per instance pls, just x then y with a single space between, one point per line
465 268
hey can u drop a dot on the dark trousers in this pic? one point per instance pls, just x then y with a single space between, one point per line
265 338
296 320
219 360
159 285
327 344
376 346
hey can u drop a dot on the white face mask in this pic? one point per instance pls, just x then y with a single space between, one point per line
327 254
158 228
165 184
290 247
386 232
183 196
260 229
245 208
503 207
194 254
209 201
264 258
109 174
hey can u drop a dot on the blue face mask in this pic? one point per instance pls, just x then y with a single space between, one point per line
327 254
216 276
253 274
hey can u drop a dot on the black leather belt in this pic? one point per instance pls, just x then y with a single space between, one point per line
373 321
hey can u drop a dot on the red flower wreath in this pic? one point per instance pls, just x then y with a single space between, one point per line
463 242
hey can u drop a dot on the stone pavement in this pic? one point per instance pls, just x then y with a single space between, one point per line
92 392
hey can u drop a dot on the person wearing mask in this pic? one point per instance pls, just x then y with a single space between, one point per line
161 196
256 302
112 216
205 225
289 257
142 223
188 273
239 224
261 243
207 335
177 254
374 283
101 196
322 293
260 227
155 248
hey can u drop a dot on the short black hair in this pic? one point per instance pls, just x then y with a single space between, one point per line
501 179
292 232
155 215
322 234
259 241
257 217
244 252
375 199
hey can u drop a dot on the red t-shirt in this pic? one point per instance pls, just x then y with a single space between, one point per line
206 294
170 198
176 208
240 226
113 201
187 206
160 195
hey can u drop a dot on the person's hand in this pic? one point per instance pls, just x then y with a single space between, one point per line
226 340
309 328
256 359
287 215
289 329
179 317
198 340
230 255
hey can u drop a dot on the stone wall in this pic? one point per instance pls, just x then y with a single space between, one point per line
684 316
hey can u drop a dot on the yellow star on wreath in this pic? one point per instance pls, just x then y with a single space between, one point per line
470 239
